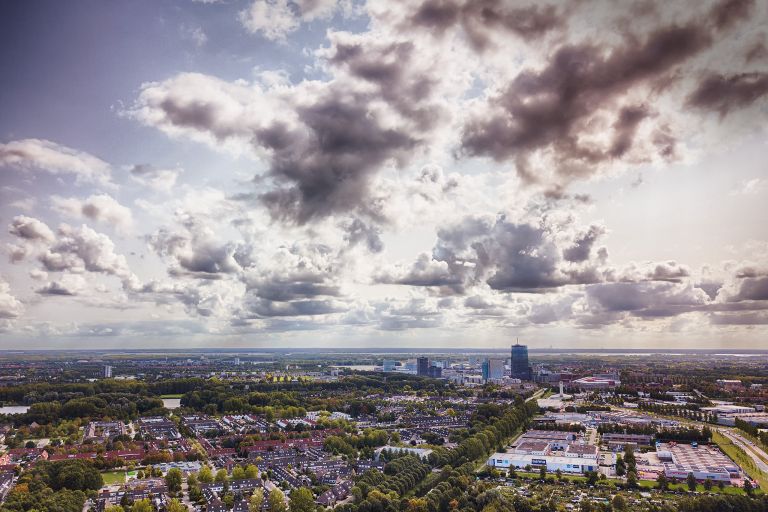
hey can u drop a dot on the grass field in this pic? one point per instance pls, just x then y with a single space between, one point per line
113 477
743 460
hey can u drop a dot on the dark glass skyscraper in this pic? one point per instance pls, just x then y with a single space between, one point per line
519 362
422 366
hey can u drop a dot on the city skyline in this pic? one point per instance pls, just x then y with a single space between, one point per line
361 174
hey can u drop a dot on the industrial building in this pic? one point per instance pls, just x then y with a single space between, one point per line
597 382
704 462
550 449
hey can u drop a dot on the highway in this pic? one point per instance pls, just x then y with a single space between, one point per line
747 447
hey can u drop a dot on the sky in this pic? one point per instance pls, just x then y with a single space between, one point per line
439 173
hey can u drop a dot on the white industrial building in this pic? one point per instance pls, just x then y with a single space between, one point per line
551 449
705 462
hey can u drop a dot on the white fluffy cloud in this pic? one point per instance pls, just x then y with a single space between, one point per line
44 155
101 208
274 19
10 306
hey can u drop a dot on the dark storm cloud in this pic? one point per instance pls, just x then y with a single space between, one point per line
729 12
725 93
389 66
195 255
508 256
548 108
325 165
645 299
358 231
751 288
262 308
624 129
428 273
294 287
582 246
479 18
757 51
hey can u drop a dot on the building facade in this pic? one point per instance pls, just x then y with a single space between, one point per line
520 369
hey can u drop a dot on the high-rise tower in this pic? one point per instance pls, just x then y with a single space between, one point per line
519 362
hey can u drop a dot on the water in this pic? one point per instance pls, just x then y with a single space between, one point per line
171 403
14 409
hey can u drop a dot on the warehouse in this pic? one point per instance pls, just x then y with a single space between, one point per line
705 462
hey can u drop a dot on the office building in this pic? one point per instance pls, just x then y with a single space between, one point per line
422 366
107 372
435 372
493 369
388 365
520 369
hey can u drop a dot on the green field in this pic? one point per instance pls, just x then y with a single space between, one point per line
741 458
113 477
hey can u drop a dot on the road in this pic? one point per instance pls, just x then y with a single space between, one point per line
747 447
536 395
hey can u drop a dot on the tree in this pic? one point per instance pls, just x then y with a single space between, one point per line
173 479
691 481
221 476
748 487
205 475
256 500
662 482
176 506
592 477
543 472
559 474
621 466
302 500
276 501
143 506
708 484
114 508
631 479
251 471
238 473
619 503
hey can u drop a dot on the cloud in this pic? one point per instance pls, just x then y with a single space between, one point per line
101 208
724 94
44 155
196 252
78 250
193 33
482 21
68 285
549 112
10 306
507 256
158 179
274 19
644 299
324 164
29 228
